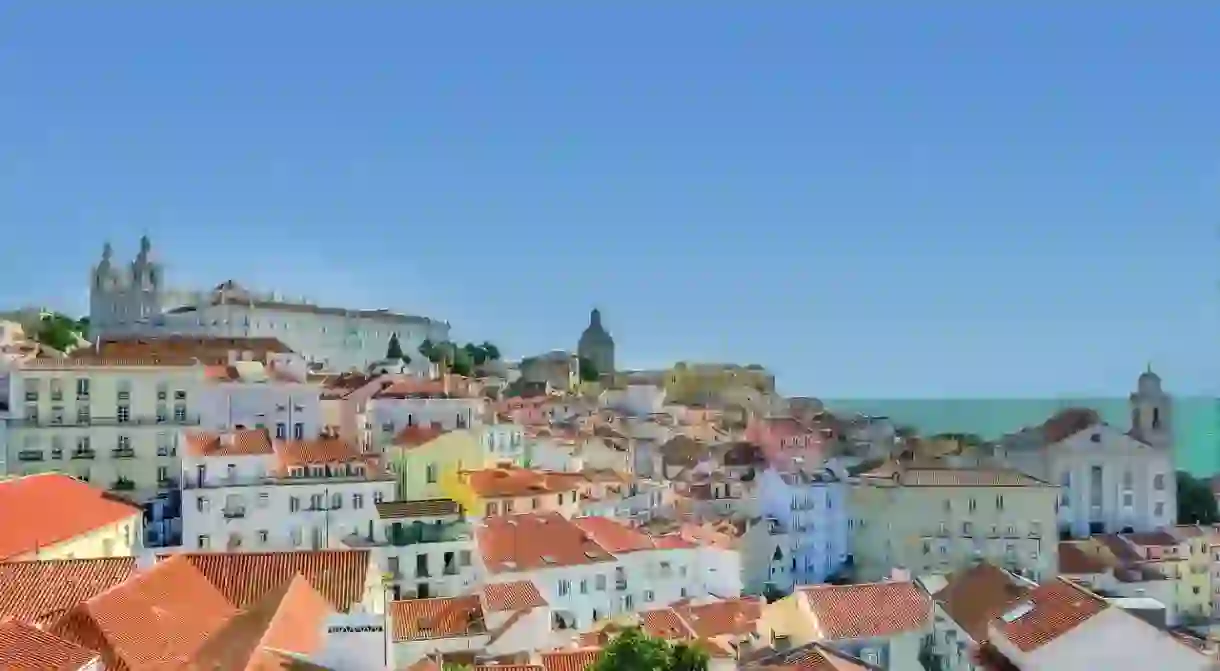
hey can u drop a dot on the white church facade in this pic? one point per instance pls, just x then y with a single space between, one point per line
127 300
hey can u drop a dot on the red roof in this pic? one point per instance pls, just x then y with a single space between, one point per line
1052 610
516 595
38 511
24 647
868 610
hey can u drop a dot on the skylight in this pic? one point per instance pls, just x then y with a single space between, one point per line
1019 611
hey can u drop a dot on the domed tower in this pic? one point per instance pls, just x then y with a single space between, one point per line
596 345
1152 411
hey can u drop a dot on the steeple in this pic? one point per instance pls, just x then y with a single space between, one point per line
595 320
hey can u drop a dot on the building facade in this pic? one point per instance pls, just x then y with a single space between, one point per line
133 299
810 510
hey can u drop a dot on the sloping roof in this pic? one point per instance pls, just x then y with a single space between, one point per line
24 647
867 610
516 595
1073 560
244 578
423 619
1050 611
33 591
525 542
928 476
811 657
976 595
396 510
25 527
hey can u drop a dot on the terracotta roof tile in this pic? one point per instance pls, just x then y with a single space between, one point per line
976 595
417 435
615 536
571 660
25 525
24 647
867 610
729 617
236 443
526 542
159 616
1121 549
423 619
33 591
1157 538
514 482
516 595
244 578
288 618
665 623
315 451
921 476
1050 611
1067 423
1074 560
508 667
413 387
812 657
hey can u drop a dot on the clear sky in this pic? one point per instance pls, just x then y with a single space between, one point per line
896 199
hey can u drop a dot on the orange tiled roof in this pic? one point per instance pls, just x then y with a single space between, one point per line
418 434
159 616
735 617
24 526
665 623
812 657
1052 610
315 451
867 610
1075 561
1157 538
24 647
414 387
526 542
1067 423
288 618
34 591
570 660
514 482
976 595
340 576
516 595
423 619
236 443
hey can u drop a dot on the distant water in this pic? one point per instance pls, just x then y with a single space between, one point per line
1196 420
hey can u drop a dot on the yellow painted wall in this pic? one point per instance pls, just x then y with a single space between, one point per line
687 382
121 539
449 452
1194 588
787 617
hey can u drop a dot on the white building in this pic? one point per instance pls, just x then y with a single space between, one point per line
275 395
244 491
133 300
425 548
1111 481
589 569
449 403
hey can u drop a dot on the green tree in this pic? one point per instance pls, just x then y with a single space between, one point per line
431 351
59 331
490 351
588 372
633 650
476 353
460 360
1196 503
394 351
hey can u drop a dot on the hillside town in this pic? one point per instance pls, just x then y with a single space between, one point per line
230 478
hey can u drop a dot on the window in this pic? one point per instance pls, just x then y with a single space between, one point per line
262 536
294 504
1158 509
281 430
561 499
357 501
535 503
599 583
430 474
378 497
464 557
180 413
82 388
123 414
508 507
584 586
162 391
202 542
263 500
493 509
201 504
298 431
162 413
565 587
316 502
1158 481
82 414
294 536
649 595
973 505
336 501
999 503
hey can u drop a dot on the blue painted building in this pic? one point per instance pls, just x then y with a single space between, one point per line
809 508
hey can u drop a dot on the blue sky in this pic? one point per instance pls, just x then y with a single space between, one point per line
880 199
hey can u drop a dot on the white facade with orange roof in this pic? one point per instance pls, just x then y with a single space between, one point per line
451 402
245 491
53 516
275 394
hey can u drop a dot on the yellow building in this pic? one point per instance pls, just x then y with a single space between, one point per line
935 519
423 457
1183 558
53 516
696 382
111 422
491 492
1195 587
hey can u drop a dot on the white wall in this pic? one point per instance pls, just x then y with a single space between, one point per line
356 642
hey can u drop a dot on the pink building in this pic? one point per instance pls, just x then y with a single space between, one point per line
784 440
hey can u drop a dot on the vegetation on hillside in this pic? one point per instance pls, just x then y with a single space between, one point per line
633 650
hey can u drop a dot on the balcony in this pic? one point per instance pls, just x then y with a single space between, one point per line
123 453
93 420
87 453
29 455
402 536
234 513
164 451
123 485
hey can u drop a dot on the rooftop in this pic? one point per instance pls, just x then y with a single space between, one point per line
24 526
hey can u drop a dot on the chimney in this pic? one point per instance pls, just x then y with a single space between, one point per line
227 439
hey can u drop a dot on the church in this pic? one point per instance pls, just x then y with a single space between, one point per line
132 300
